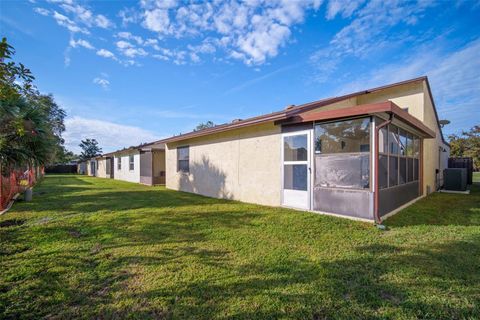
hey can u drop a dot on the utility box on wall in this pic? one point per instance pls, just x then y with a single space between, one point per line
455 179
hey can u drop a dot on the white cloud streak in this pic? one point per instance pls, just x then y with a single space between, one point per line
81 43
105 53
102 81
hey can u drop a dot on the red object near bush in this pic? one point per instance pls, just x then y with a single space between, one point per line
16 182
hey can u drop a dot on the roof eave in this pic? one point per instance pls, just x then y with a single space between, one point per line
363 110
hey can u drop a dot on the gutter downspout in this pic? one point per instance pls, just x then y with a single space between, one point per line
378 219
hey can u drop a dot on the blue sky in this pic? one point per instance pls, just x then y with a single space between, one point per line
134 71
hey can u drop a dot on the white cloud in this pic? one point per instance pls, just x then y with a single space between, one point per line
134 52
42 11
129 36
157 20
86 16
344 8
124 44
105 53
151 42
103 22
110 136
129 15
252 30
102 81
129 50
64 21
80 43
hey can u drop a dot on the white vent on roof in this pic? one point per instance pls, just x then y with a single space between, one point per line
236 120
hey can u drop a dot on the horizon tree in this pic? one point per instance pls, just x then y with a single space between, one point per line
90 149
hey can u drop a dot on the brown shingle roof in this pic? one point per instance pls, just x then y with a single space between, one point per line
284 114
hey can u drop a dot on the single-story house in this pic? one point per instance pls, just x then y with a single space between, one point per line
104 164
362 155
91 165
142 164
82 167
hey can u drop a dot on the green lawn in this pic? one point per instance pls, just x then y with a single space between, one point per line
96 248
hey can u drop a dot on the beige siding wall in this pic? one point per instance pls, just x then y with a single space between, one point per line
338 105
433 155
242 164
102 168
407 96
89 167
158 167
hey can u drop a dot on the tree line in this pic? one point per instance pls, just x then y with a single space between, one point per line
31 123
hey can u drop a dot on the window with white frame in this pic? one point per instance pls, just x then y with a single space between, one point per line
183 159
119 163
131 163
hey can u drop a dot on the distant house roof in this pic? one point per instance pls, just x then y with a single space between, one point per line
150 146
292 111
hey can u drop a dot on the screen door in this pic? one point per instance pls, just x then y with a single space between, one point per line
296 169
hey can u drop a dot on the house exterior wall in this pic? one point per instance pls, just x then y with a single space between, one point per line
90 170
102 168
159 167
82 168
433 157
242 164
245 164
125 173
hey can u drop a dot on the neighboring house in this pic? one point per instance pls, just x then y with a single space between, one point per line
362 155
105 166
142 164
91 165
82 167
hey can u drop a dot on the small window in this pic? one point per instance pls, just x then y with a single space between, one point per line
183 159
131 163
119 163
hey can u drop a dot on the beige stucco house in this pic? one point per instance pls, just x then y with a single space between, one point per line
141 164
91 166
104 165
362 155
